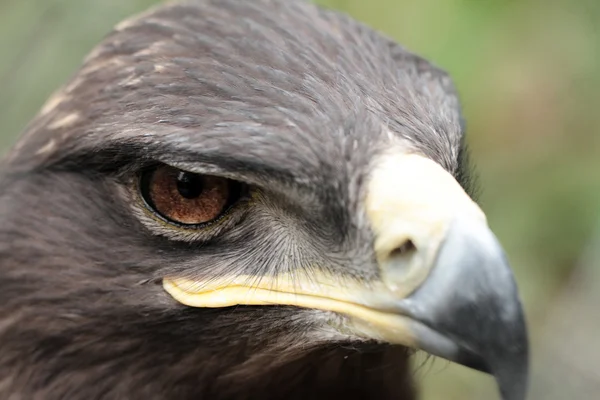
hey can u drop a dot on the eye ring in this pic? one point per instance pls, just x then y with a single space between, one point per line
185 199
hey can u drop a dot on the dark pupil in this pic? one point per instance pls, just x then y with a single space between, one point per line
189 185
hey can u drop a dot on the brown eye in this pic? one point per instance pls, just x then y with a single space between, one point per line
186 198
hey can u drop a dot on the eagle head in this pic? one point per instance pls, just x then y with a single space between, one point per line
248 199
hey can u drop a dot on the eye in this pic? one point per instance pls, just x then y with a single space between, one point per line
186 198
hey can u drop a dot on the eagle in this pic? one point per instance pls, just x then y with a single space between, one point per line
248 199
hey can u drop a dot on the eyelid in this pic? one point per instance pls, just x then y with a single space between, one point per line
254 179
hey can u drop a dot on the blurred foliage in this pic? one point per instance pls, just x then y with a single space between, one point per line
528 74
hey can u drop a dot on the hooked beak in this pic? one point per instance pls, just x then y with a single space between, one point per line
444 284
468 310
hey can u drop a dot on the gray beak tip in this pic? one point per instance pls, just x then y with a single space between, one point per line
469 311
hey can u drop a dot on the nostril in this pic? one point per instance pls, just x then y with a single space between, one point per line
405 249
400 267
400 260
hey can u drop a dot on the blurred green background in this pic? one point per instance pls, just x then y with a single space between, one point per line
529 77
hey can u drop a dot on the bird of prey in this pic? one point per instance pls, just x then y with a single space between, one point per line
248 199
